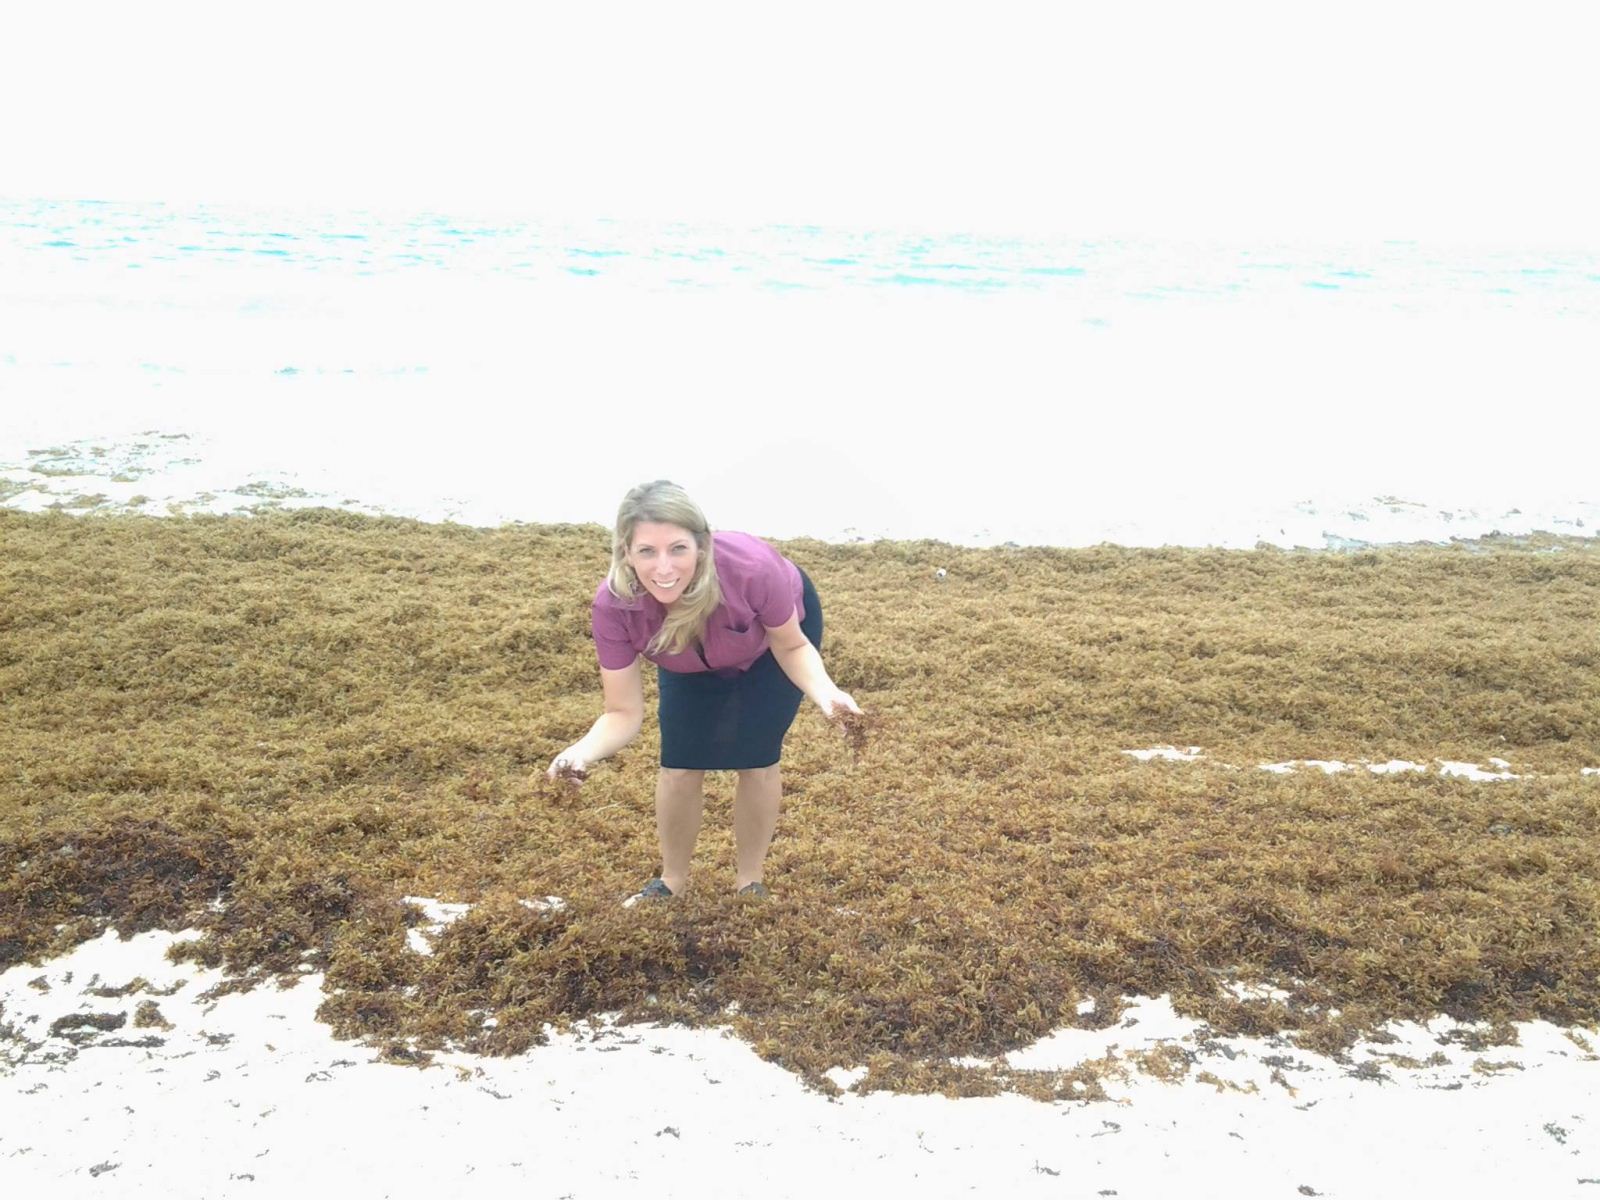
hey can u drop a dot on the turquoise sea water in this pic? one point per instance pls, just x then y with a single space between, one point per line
840 382
59 237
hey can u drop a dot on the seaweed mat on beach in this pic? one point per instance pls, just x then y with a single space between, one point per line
273 728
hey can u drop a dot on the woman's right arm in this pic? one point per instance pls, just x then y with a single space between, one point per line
617 725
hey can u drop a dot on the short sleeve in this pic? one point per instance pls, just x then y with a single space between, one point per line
611 642
770 595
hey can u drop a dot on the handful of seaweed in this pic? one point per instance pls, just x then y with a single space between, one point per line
855 727
561 787
569 774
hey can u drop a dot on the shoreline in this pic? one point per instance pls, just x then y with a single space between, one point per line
166 474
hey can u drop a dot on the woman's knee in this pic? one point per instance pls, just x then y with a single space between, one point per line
760 775
681 777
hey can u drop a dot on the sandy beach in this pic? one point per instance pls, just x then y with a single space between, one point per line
248 1095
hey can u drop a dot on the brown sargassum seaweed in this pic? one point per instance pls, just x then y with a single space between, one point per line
275 727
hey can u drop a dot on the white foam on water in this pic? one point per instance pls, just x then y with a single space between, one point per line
1287 419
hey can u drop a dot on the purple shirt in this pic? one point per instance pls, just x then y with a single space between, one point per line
761 589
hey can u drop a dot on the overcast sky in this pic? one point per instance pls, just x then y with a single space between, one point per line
1460 120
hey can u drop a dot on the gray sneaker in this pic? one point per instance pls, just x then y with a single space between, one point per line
654 890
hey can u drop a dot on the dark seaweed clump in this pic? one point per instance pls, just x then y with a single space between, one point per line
856 727
273 728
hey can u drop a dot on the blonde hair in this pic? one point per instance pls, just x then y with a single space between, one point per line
664 502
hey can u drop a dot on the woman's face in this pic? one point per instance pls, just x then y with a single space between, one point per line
664 557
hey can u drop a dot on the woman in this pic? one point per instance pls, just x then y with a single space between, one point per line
736 630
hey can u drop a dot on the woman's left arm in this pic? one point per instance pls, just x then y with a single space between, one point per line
803 665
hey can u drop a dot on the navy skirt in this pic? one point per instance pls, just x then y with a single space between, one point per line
711 722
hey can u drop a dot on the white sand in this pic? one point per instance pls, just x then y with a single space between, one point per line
1498 769
249 1095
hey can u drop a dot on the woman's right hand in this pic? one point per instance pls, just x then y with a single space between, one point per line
571 765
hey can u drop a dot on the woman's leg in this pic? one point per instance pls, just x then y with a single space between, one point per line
680 803
756 798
